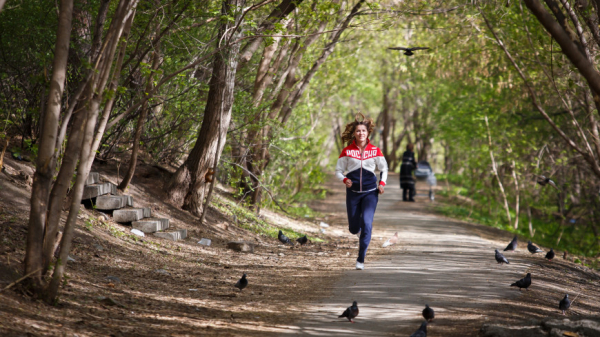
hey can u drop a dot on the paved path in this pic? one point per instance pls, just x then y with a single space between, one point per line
439 262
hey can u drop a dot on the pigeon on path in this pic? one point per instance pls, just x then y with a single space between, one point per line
284 239
564 304
533 248
242 283
422 332
408 51
391 240
351 312
523 283
500 258
302 241
550 254
428 313
512 246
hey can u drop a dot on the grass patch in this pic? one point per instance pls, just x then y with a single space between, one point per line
247 219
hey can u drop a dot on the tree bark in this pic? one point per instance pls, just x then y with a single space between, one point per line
186 187
2 2
46 160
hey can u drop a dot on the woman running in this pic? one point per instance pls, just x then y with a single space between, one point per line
360 159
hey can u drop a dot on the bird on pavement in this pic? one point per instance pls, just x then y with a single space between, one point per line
533 248
242 283
543 181
351 312
500 258
428 313
391 240
512 246
523 283
550 254
408 51
302 241
564 304
422 332
284 239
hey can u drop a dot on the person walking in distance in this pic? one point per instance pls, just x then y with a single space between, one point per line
359 160
407 182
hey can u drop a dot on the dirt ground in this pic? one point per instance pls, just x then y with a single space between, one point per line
167 288
184 289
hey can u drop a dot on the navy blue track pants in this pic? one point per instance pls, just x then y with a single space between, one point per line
361 210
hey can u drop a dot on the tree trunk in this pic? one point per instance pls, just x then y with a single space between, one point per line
186 187
495 171
46 160
140 124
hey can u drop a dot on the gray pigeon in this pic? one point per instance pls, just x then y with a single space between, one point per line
500 258
533 248
550 254
283 238
351 312
512 246
564 304
242 283
422 332
428 313
523 283
302 241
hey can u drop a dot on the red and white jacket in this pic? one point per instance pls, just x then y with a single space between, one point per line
360 168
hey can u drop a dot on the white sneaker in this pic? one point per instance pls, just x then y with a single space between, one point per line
360 266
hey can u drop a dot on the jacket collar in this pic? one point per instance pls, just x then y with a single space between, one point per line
368 143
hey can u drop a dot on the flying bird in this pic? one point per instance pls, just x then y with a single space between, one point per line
512 246
242 283
523 283
533 248
391 240
351 312
543 181
500 258
428 313
284 239
408 51
302 241
550 254
564 304
422 332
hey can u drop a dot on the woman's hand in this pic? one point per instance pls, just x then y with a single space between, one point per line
348 183
380 187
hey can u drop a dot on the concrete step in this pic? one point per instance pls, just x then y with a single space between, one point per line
110 202
175 235
93 178
151 225
131 214
92 191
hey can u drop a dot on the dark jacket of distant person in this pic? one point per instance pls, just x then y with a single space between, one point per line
408 166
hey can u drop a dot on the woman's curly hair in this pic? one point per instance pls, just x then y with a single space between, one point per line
348 135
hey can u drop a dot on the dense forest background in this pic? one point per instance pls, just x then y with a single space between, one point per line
256 94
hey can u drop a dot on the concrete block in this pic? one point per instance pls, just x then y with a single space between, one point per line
151 225
93 178
241 246
131 214
92 191
179 234
110 202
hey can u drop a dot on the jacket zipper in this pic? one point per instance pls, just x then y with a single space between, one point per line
361 162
